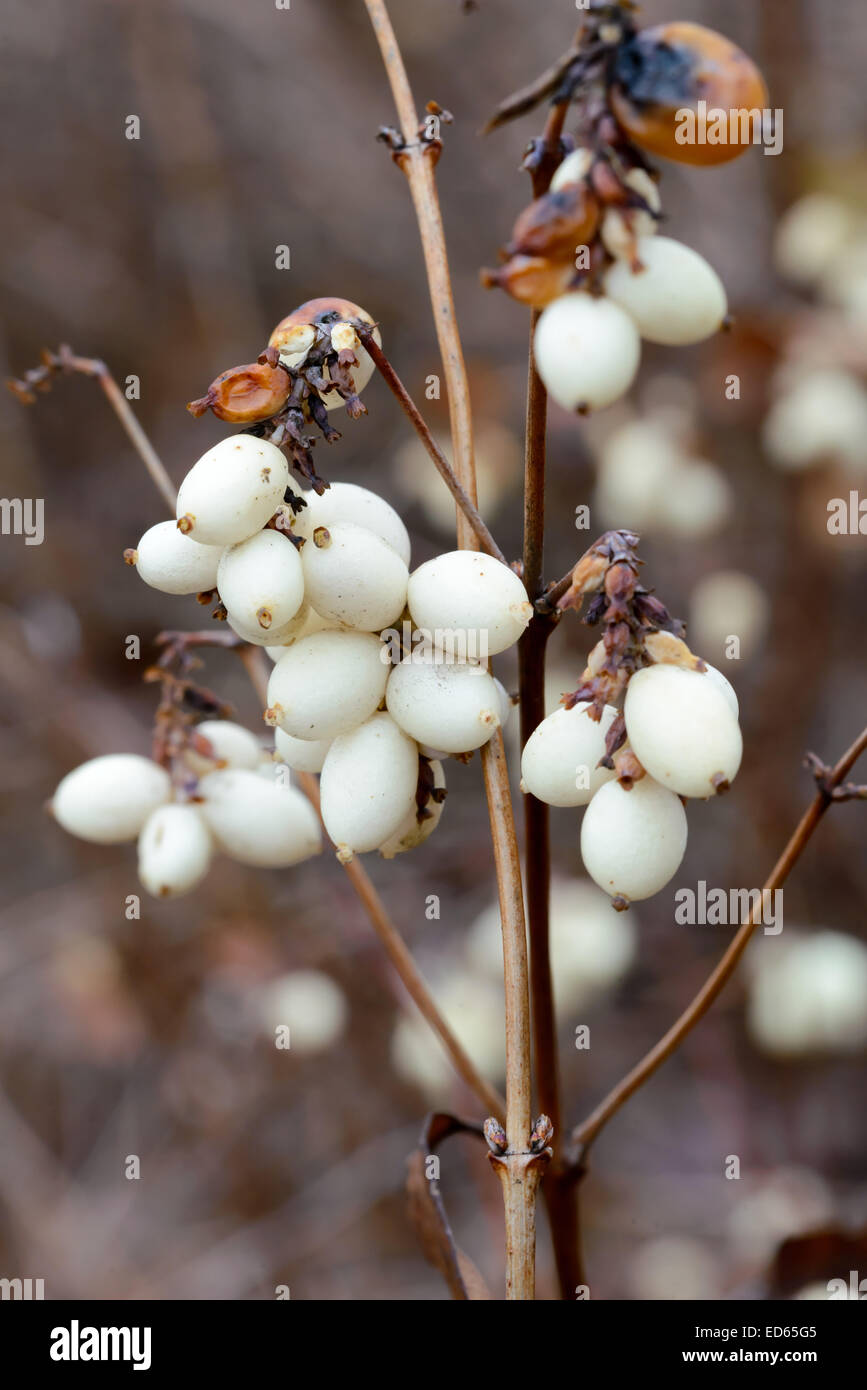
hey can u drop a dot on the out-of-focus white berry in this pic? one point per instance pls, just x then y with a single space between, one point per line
473 1009
810 236
587 351
592 948
174 851
823 416
233 745
468 603
107 800
349 502
697 501
168 560
572 169
452 706
261 582
233 490
676 299
632 842
259 822
327 684
676 1268
354 577
368 784
774 1206
310 1004
413 832
728 604
302 754
559 762
808 994
618 236
305 622
637 464
682 729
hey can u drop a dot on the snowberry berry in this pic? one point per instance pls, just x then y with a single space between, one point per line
620 229
255 821
559 762
261 582
232 490
477 603
168 560
632 842
682 729
452 706
573 169
232 744
675 299
587 351
174 851
301 754
354 577
245 395
327 683
349 502
310 1005
108 799
368 785
305 622
661 72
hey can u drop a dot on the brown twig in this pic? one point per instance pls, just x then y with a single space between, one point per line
65 361
417 160
589 1130
444 468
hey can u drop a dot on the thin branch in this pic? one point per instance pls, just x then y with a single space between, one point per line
65 361
589 1130
444 468
385 929
417 162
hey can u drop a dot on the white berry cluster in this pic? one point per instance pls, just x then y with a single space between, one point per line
219 796
649 726
588 346
374 709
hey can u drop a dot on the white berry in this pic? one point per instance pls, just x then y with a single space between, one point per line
559 762
632 842
587 351
301 754
107 800
327 684
368 784
451 706
174 851
349 502
354 577
306 621
677 298
233 745
620 230
261 582
468 603
682 729
168 560
574 168
233 490
310 1005
257 821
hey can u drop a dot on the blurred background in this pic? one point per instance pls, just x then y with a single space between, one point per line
152 1037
